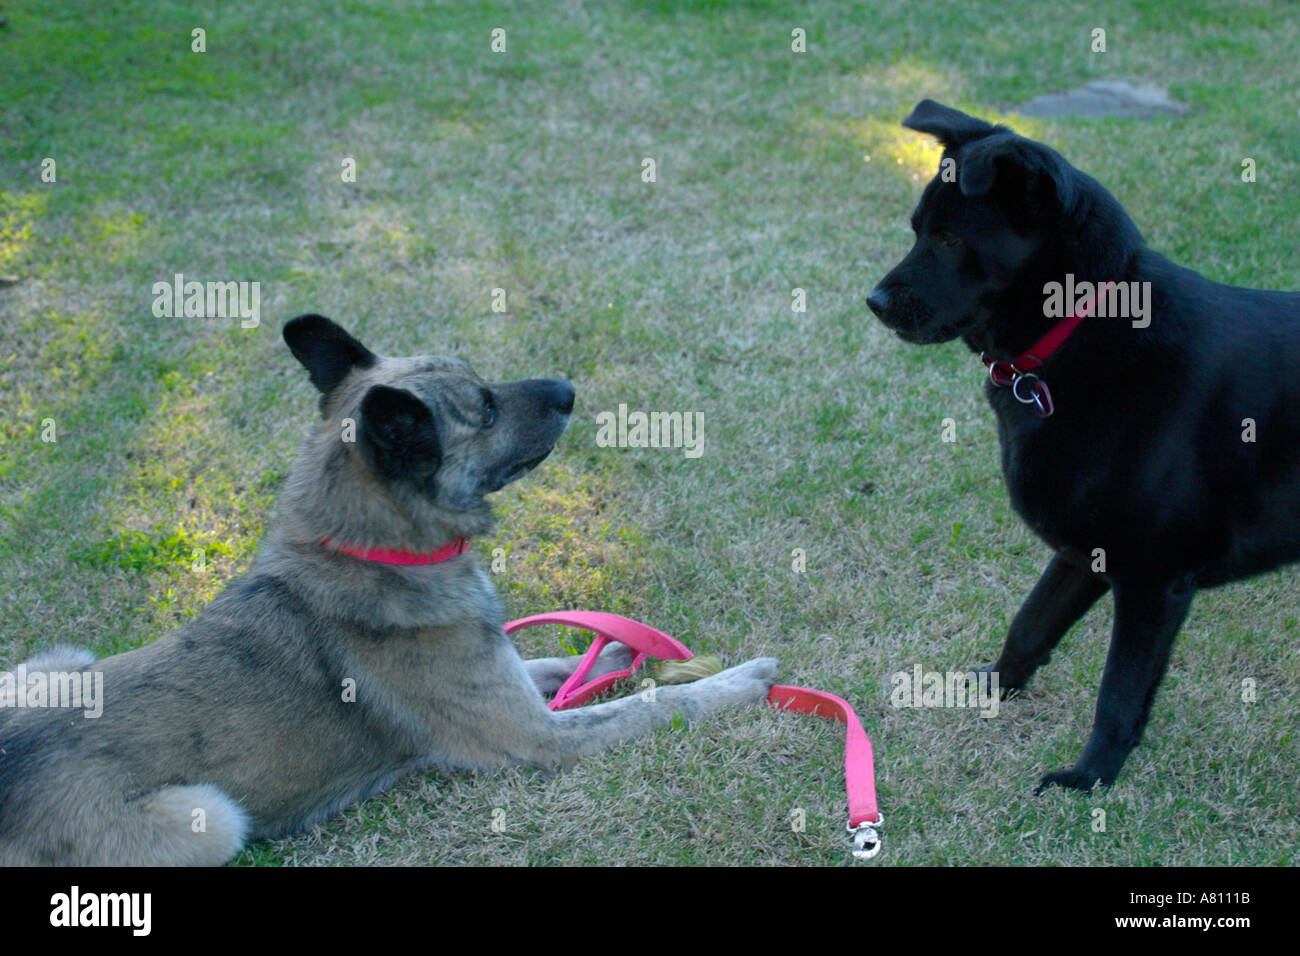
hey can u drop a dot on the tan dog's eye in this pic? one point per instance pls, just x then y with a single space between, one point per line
489 409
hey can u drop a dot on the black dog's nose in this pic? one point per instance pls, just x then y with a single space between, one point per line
561 395
878 301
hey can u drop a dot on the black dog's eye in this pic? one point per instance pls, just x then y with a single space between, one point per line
489 409
950 240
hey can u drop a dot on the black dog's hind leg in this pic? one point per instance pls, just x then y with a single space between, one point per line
1147 617
1062 595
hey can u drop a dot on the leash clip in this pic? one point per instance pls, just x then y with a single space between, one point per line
866 838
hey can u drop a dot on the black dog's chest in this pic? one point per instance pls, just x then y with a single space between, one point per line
1051 483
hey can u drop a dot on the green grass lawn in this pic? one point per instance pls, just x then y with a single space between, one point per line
522 171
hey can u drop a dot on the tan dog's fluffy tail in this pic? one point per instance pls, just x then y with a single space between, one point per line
175 826
186 826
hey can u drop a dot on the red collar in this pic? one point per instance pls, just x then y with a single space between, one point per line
1028 388
448 551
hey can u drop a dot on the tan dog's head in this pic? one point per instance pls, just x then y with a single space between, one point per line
424 438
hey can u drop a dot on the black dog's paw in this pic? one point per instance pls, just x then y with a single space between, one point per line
1073 779
1006 691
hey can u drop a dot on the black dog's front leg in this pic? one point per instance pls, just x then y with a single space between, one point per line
1062 595
1147 617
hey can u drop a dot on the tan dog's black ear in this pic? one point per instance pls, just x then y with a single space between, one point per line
326 350
399 433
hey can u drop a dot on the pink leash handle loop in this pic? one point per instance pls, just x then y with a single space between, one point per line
642 638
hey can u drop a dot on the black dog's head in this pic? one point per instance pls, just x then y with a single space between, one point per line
1004 215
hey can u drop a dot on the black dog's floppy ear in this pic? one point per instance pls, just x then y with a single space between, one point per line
979 169
1026 175
952 127
326 350
399 432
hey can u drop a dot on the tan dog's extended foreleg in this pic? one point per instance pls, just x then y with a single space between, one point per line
514 726
548 673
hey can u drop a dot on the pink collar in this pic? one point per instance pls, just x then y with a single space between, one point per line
448 551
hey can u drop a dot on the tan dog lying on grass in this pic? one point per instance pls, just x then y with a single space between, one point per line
329 670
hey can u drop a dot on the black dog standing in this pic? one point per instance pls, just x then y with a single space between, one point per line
1164 451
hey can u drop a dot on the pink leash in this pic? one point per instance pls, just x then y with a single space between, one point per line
859 773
